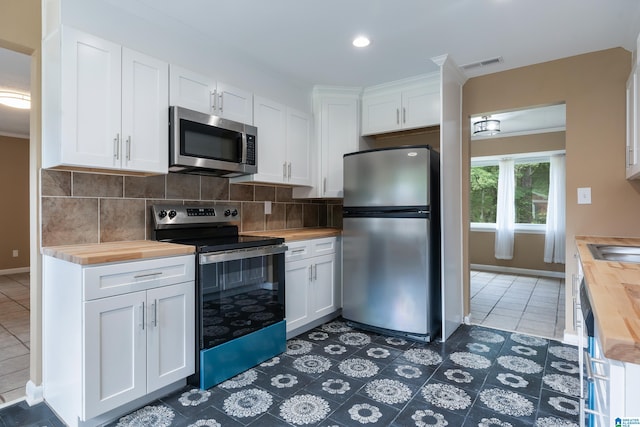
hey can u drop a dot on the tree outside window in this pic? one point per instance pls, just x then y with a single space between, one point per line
531 192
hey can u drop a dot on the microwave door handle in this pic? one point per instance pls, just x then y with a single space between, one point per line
244 148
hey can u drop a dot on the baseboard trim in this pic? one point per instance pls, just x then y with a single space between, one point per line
14 271
515 270
570 338
34 393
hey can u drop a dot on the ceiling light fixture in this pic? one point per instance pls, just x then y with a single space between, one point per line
486 126
361 41
15 100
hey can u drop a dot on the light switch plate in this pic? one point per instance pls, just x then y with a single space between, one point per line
584 196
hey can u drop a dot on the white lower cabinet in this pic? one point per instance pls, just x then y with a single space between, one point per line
115 333
312 282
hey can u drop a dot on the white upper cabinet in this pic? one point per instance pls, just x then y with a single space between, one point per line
283 144
336 113
400 105
632 169
298 153
201 93
104 106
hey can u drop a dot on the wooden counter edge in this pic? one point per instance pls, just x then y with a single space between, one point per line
99 253
625 348
292 235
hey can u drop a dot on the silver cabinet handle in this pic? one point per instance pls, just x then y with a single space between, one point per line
311 273
129 148
397 116
221 102
155 313
588 364
116 147
142 315
214 100
315 271
297 251
324 186
284 170
404 115
630 156
289 171
142 276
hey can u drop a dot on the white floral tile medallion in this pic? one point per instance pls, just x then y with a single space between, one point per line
312 364
422 356
149 416
446 396
241 380
470 360
209 422
358 368
194 397
566 384
247 403
519 364
304 409
355 338
295 347
507 402
554 422
388 391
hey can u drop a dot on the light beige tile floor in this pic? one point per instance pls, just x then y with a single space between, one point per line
531 305
14 336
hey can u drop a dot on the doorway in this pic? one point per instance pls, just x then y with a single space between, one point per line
520 289
14 246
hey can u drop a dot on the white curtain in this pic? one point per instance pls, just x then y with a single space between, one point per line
506 211
554 239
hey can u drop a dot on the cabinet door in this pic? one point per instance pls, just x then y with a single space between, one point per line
114 352
297 277
338 136
633 121
170 334
323 286
91 100
145 106
270 119
191 90
420 108
298 147
381 113
234 104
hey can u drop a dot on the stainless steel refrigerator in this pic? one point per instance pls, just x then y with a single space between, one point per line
391 240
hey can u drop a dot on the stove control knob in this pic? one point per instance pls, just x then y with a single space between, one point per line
227 212
234 212
162 213
172 214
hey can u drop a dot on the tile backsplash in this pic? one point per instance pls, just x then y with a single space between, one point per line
79 207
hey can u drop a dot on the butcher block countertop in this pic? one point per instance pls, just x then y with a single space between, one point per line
298 233
614 292
98 253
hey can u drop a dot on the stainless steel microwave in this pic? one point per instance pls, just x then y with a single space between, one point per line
210 145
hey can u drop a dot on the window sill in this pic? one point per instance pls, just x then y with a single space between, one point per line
520 228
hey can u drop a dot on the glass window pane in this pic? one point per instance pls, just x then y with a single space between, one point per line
532 192
484 193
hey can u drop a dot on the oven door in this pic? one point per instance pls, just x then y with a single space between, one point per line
240 292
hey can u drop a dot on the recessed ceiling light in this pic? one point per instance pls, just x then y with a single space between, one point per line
15 100
361 41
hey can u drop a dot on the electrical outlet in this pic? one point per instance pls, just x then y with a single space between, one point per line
15 253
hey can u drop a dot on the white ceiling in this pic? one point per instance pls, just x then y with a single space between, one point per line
309 41
551 118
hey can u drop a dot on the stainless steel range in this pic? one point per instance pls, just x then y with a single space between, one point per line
240 316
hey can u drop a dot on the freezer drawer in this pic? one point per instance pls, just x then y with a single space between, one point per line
386 273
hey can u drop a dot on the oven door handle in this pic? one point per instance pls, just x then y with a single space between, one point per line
236 254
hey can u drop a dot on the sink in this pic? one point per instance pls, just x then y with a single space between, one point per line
615 253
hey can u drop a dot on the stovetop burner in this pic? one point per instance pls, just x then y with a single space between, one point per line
208 228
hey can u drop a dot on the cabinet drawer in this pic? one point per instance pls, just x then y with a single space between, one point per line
323 246
298 250
115 279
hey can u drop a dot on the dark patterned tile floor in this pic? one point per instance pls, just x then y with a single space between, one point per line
338 376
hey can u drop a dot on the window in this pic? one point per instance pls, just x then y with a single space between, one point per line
531 192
